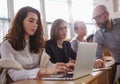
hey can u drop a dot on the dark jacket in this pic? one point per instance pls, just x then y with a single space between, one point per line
59 55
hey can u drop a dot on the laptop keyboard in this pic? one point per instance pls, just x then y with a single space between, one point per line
67 76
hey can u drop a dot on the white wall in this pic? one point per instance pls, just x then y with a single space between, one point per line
112 6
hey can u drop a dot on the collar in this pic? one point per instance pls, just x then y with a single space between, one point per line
113 22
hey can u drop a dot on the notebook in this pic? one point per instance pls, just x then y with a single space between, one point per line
84 63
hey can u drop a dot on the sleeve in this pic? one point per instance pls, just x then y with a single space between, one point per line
74 45
49 50
98 38
17 75
71 52
44 60
7 52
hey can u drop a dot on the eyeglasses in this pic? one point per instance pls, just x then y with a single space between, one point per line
98 17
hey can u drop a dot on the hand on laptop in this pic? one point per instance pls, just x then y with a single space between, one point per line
53 69
99 63
71 65
60 68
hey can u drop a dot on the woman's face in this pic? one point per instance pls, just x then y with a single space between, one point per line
81 30
62 31
30 24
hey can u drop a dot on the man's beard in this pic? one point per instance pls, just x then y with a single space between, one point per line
104 25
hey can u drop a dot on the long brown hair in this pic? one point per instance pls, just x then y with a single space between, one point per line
16 33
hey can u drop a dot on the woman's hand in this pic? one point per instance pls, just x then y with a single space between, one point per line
71 65
99 63
55 68
58 68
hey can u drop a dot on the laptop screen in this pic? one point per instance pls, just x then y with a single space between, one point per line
84 62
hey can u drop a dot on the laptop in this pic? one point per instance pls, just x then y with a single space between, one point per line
84 63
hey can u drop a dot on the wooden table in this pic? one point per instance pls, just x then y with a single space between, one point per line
97 77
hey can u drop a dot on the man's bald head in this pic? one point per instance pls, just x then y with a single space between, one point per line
101 16
99 9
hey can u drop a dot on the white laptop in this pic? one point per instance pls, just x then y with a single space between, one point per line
84 63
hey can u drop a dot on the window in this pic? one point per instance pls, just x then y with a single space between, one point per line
20 3
91 29
82 10
3 9
4 20
119 4
79 9
69 10
55 9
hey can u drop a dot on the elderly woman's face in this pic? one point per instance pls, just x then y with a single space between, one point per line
82 31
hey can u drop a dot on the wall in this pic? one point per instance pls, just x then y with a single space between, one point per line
112 6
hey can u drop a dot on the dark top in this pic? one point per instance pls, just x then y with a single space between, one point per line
59 54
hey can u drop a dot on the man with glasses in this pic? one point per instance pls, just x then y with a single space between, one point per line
107 36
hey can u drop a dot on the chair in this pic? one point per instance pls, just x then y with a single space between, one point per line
44 60
6 64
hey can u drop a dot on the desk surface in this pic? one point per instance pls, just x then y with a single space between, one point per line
83 80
